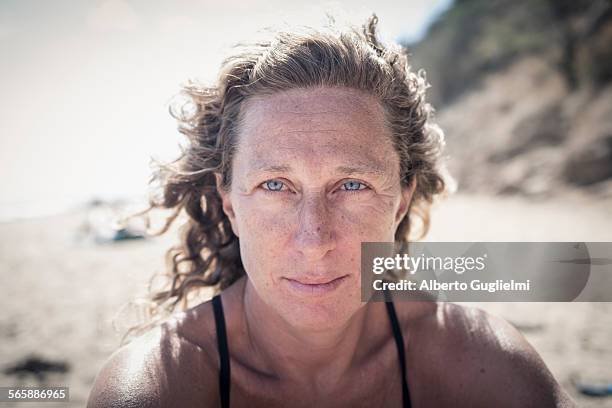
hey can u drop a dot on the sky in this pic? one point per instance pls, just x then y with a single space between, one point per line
85 85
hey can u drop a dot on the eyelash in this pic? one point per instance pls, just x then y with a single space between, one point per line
268 191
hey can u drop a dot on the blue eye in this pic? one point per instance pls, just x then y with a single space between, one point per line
353 186
273 185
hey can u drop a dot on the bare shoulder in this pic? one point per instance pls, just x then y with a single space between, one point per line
130 377
164 367
481 359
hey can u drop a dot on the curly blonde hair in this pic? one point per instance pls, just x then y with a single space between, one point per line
208 254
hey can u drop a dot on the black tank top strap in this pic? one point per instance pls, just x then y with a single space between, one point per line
399 342
224 362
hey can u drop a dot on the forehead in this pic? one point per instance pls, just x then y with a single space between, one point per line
328 122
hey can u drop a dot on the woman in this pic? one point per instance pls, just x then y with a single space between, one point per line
309 145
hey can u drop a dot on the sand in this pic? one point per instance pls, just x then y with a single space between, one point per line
60 293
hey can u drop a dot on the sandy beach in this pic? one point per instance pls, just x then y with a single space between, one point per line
60 293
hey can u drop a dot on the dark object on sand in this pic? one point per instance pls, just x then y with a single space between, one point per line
595 390
36 366
123 234
126 234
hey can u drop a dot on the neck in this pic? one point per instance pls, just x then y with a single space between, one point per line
317 357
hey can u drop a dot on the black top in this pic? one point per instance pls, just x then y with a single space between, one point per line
224 369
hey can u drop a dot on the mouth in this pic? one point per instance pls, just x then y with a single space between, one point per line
314 287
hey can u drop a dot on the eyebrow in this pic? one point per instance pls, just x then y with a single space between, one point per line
364 168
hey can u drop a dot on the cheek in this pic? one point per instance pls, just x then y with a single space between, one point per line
371 221
262 225
263 238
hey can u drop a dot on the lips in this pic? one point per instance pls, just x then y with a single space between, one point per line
314 281
314 286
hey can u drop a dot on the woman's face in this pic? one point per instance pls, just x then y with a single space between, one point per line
315 174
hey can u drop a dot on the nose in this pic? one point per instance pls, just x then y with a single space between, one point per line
314 236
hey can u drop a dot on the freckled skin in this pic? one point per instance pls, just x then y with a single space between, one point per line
313 227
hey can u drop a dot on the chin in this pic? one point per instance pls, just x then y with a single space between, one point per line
318 313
